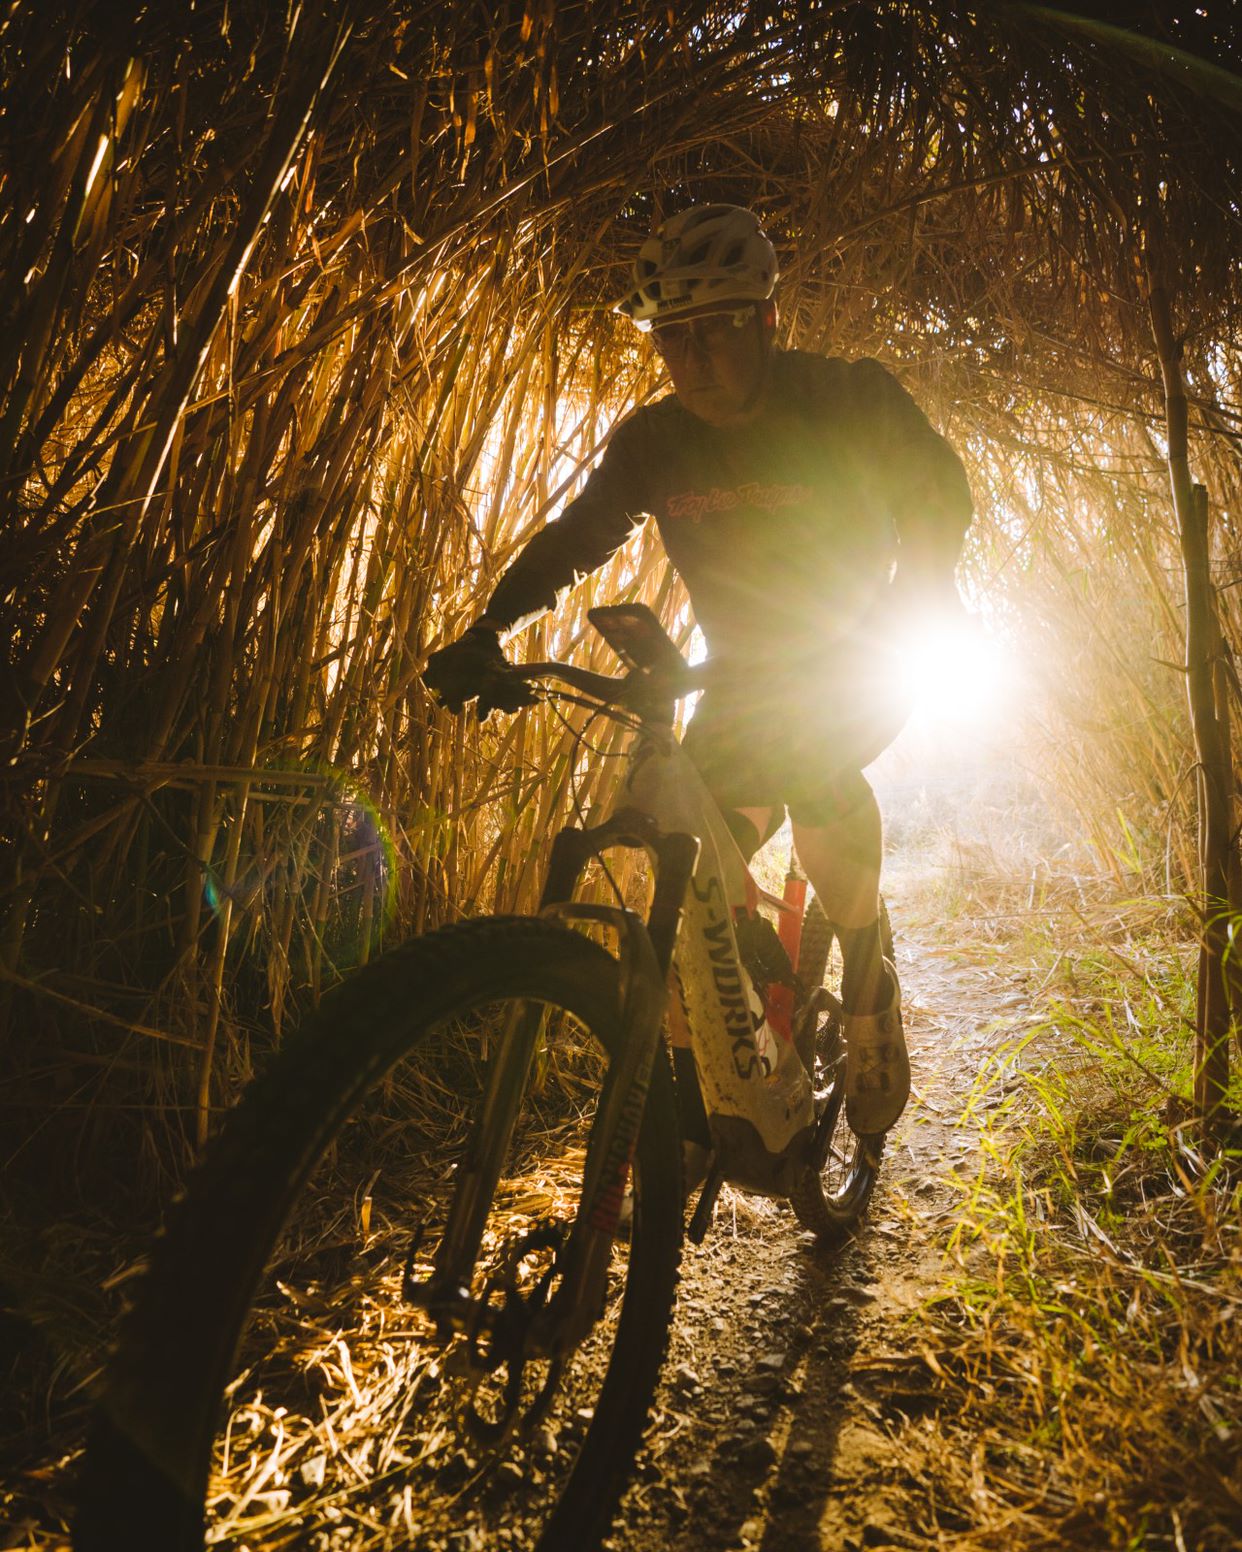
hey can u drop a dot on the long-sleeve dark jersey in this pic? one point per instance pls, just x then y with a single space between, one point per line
785 531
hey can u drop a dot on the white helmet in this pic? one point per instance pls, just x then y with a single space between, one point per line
709 253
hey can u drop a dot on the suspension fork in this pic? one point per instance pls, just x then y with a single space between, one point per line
646 951
447 1294
646 954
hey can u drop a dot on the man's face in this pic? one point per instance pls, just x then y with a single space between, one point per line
717 359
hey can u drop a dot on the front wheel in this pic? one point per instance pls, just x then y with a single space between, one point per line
272 1387
834 1191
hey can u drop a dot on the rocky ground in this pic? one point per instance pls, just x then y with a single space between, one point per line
795 1412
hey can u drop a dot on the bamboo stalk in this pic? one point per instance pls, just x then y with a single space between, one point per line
1216 779
415 367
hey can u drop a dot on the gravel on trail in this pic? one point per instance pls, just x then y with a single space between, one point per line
794 1413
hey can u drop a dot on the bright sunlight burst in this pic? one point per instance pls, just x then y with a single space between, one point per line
956 672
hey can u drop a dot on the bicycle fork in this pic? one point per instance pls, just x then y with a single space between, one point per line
645 954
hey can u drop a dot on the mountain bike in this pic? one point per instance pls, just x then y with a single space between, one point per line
419 1292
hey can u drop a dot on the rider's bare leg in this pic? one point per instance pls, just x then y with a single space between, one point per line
842 860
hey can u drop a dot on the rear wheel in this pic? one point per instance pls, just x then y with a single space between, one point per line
834 1192
271 1368
816 965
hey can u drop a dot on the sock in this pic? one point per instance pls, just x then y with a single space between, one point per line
864 980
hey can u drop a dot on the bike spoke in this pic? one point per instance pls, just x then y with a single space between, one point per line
352 1411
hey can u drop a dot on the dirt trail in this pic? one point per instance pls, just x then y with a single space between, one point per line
792 1417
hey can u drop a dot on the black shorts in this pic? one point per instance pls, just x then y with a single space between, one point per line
796 740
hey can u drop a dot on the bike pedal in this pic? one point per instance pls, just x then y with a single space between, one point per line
702 1216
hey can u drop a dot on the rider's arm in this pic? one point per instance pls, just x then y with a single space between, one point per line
590 530
921 481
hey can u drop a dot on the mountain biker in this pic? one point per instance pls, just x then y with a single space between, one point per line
809 508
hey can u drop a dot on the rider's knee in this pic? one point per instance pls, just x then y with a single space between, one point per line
841 841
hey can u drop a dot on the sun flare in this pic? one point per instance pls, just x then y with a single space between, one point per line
955 673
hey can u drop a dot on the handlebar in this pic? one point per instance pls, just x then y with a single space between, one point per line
612 688
657 674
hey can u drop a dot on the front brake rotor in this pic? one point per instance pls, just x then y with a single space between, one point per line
500 1336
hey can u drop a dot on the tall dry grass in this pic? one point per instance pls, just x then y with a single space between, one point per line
307 330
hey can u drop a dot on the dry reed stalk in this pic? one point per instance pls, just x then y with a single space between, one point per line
288 388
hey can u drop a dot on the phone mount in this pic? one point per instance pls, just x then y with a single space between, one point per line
638 639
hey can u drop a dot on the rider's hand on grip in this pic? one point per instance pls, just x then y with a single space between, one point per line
476 666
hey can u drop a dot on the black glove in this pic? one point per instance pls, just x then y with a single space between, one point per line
475 665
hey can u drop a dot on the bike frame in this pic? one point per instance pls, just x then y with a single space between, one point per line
756 1090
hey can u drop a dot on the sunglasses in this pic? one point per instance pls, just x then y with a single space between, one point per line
708 332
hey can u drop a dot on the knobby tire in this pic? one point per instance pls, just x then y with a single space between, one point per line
831 1201
147 1464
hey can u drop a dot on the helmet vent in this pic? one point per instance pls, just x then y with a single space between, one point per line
706 255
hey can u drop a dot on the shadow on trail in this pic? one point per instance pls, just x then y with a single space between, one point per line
771 1326
798 1488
